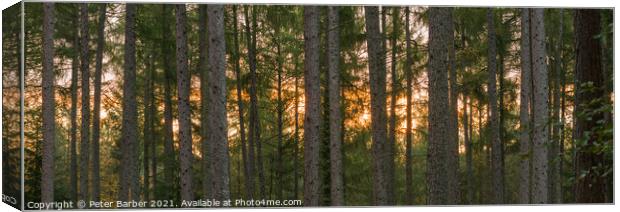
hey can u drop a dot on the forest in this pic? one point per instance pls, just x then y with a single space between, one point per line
332 105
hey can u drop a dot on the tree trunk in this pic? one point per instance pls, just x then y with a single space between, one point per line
540 110
129 177
525 139
335 113
439 112
204 102
556 156
74 99
590 185
279 112
217 125
169 152
85 131
96 192
453 145
257 135
409 110
147 134
380 144
253 101
296 134
49 105
496 145
183 85
240 106
395 85
312 106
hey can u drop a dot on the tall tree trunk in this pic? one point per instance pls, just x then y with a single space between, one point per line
312 106
525 139
380 144
453 145
409 110
49 105
296 135
217 125
170 157
395 85
257 135
183 85
540 109
240 107
129 178
280 112
439 112
496 145
74 99
204 102
85 131
335 113
147 134
96 192
467 131
589 187
253 101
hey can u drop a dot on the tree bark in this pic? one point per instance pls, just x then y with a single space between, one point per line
453 145
525 139
335 111
312 106
253 101
217 125
183 87
49 105
207 155
496 145
380 144
540 109
169 152
589 185
85 131
439 112
96 178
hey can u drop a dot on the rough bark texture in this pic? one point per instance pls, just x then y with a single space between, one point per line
453 145
218 125
525 93
49 106
590 186
129 177
496 145
540 110
439 119
335 111
409 116
183 83
96 192
380 144
85 130
204 102
312 106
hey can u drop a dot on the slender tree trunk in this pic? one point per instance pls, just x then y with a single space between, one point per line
409 110
259 151
147 133
312 106
183 85
453 145
240 107
85 131
540 109
253 101
279 112
496 145
204 102
217 125
467 132
49 105
296 139
74 99
96 178
169 152
129 177
439 112
525 139
335 113
556 159
380 144
589 187
395 84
